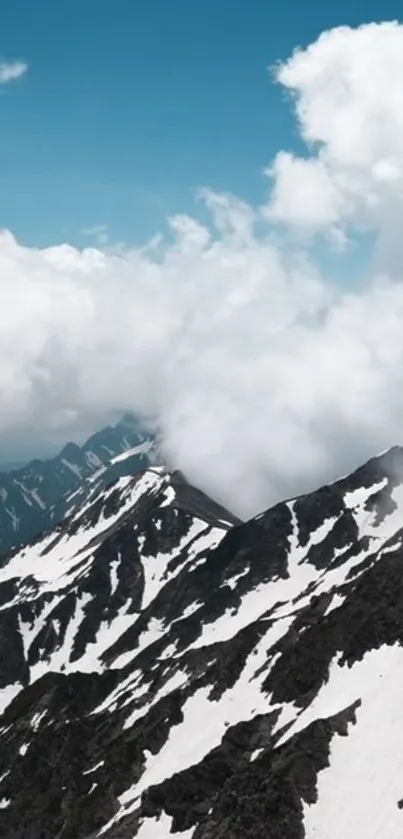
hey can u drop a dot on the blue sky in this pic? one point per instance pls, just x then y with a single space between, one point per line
256 345
129 106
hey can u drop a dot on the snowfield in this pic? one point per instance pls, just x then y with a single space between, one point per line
209 649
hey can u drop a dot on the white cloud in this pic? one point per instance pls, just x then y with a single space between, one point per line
98 232
265 378
305 195
11 70
348 95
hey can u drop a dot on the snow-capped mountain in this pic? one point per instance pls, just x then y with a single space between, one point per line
32 498
166 669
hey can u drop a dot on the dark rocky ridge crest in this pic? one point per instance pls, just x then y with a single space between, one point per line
177 671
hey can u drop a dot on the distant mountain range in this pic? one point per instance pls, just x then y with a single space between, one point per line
32 497
166 669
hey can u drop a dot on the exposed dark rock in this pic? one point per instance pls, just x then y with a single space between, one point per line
168 663
34 497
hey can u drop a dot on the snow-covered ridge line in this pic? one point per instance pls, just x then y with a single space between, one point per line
34 497
223 666
54 571
143 448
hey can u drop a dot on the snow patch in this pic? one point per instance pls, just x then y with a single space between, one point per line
143 448
73 468
366 767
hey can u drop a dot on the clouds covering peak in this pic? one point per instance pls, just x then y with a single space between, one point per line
265 377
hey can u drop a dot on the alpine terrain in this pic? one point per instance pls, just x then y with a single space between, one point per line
167 669
32 497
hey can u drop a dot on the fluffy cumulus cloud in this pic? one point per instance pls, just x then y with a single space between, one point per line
11 70
348 97
265 378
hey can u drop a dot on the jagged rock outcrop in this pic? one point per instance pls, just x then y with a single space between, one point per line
166 669
33 498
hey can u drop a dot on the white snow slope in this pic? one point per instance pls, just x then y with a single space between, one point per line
299 589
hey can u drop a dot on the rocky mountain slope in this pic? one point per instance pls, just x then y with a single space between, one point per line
31 498
166 669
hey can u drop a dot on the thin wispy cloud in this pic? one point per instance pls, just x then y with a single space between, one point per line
12 70
94 230
98 232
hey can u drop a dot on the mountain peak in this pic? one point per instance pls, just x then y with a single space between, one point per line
167 669
33 497
130 420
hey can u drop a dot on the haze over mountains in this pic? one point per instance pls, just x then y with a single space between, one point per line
166 669
34 497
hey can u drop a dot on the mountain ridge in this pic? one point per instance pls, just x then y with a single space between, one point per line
168 670
31 497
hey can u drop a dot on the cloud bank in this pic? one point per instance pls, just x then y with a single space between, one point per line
11 70
266 378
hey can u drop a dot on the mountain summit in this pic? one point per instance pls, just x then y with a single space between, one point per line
168 670
31 498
